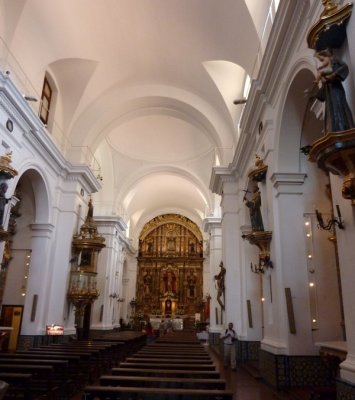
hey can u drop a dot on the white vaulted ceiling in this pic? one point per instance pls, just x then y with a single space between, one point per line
147 85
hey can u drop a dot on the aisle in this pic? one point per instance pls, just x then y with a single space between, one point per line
246 387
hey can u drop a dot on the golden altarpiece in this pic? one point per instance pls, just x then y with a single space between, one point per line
170 268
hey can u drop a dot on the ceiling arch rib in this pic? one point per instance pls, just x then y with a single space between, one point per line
97 121
131 186
162 188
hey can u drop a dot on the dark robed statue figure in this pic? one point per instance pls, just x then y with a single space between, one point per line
254 206
331 73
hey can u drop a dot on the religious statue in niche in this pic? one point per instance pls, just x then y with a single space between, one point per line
169 280
220 285
170 245
254 205
191 247
147 282
84 258
168 307
150 247
329 89
3 201
191 284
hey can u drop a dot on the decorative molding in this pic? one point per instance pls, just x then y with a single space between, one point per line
210 223
288 182
220 176
112 222
42 230
172 219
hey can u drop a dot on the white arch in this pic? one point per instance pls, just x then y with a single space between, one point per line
94 123
287 156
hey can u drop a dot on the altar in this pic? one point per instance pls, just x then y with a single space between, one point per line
177 323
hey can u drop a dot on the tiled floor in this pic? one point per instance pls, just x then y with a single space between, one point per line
246 387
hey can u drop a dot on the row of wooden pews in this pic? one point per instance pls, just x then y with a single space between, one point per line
176 366
58 371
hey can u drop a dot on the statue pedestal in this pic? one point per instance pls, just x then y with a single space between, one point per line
335 153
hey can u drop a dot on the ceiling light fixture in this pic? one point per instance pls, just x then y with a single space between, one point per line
29 98
240 101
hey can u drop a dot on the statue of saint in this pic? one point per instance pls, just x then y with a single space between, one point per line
331 73
147 281
3 201
191 283
169 279
254 206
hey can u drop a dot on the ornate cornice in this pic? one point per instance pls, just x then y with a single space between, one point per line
211 223
288 182
220 176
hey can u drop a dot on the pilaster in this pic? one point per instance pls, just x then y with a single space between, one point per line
107 309
213 227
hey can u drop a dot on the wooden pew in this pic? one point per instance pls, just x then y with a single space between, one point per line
182 373
172 356
42 377
126 393
89 361
132 340
171 382
169 361
103 353
115 350
60 376
175 366
20 385
77 368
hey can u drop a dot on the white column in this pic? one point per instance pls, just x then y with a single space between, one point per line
213 227
346 240
231 254
106 309
35 316
288 254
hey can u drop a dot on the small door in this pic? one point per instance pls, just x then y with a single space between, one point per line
11 316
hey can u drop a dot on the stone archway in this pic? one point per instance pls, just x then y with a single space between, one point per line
25 246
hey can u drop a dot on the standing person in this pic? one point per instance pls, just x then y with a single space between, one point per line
228 338
148 330
162 328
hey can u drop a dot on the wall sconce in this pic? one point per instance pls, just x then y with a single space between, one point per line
331 222
116 296
262 240
30 98
264 263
